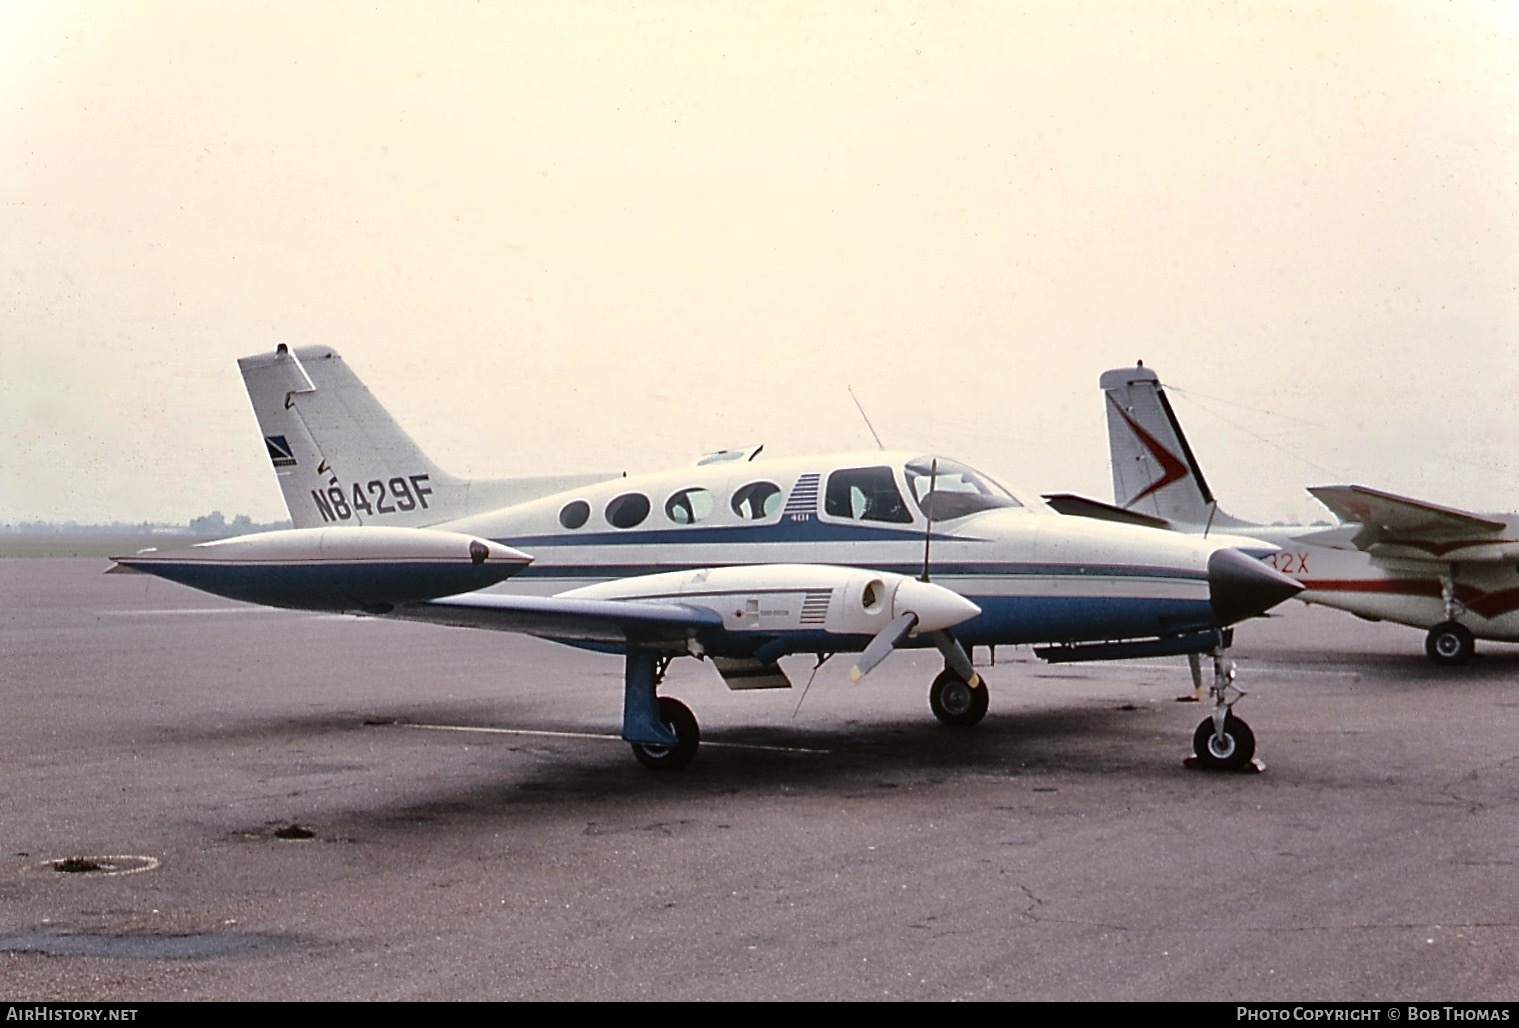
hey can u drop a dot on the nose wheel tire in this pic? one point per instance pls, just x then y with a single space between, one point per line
1449 644
1230 753
678 718
954 702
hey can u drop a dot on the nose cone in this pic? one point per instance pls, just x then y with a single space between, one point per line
1239 587
937 607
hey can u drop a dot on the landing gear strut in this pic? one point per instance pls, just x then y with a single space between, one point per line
662 730
1223 742
1450 642
959 695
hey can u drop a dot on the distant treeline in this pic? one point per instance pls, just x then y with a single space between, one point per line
208 526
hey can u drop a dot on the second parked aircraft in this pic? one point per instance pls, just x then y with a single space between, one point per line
1452 572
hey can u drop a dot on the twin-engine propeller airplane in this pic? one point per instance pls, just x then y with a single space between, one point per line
1392 558
741 560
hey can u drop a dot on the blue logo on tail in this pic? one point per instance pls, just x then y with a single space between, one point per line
279 451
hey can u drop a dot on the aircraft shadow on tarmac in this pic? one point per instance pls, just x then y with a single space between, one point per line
533 775
1103 736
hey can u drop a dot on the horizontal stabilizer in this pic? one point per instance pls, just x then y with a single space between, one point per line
334 569
1084 507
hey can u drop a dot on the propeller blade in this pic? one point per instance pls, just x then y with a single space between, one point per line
955 657
881 646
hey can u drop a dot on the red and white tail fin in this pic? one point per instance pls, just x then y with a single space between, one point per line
1154 471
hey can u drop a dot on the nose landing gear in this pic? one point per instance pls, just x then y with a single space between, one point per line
1223 742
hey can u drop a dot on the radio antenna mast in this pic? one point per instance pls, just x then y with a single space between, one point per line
856 399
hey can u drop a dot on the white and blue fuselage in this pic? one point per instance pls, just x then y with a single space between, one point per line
734 558
1037 576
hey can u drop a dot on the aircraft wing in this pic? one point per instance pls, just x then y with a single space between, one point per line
1400 526
565 619
1400 515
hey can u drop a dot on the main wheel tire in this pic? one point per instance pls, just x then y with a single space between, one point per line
1232 752
1450 644
678 718
954 702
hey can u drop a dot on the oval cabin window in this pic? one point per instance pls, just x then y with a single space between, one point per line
628 510
757 501
689 506
575 514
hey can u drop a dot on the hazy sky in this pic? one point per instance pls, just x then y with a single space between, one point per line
582 236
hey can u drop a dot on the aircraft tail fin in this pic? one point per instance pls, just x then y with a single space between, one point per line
341 458
1154 471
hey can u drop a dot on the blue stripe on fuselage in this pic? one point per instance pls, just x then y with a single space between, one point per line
1013 620
787 530
957 569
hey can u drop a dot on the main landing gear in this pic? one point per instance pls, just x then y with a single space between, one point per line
955 702
664 735
662 730
677 717
1450 643
1223 742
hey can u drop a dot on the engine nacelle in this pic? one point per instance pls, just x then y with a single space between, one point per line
796 597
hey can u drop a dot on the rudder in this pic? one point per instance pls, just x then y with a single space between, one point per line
341 458
1154 471
339 455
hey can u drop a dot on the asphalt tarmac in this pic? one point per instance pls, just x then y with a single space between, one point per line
467 825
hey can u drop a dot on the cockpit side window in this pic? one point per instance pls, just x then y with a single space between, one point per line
945 489
865 494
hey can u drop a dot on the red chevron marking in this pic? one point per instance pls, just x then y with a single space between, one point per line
1172 469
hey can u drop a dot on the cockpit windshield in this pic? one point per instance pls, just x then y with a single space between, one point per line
946 489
